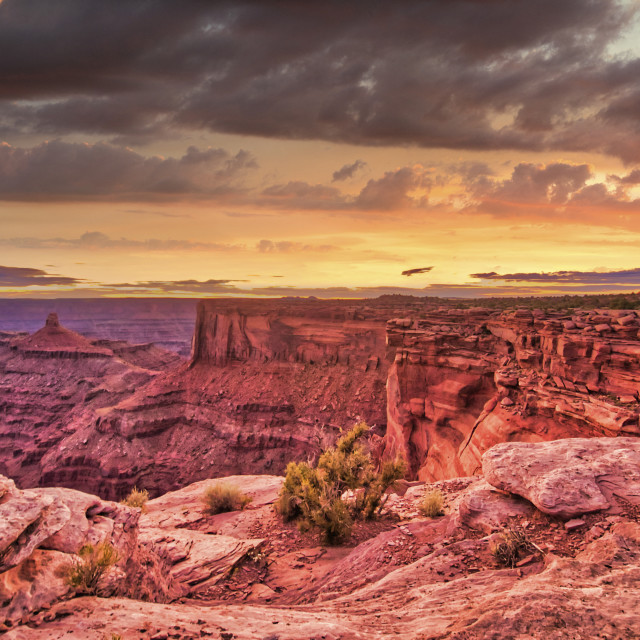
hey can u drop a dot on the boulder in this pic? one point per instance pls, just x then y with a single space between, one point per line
567 478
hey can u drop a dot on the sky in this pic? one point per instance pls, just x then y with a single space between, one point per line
337 149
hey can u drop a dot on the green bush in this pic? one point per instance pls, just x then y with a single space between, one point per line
137 498
432 504
86 573
221 497
315 496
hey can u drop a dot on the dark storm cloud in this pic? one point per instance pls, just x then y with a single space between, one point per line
411 272
348 170
71 170
629 277
27 277
460 74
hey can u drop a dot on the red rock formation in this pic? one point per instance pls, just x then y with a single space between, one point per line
246 574
275 380
54 341
53 384
463 381
269 382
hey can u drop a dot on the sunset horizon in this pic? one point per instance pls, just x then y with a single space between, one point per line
241 149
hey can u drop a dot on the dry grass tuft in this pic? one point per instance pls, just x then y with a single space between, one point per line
137 498
219 498
432 504
511 547
87 571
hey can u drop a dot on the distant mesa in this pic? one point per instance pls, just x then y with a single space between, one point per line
54 340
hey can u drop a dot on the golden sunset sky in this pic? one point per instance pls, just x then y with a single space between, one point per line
319 148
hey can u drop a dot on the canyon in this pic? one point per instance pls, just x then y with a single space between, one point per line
270 381
525 421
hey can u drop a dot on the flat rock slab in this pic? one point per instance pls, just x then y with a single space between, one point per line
567 478
184 507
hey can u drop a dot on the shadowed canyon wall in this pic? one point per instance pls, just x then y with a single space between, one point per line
271 381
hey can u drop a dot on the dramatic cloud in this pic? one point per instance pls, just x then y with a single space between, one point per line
27 277
348 170
461 74
558 190
84 171
629 277
411 272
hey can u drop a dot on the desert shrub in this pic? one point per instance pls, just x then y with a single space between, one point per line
87 571
219 498
137 498
432 504
511 547
314 495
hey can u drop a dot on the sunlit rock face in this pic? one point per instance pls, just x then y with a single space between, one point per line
463 381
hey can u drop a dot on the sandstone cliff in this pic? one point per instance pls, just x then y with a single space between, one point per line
275 380
463 381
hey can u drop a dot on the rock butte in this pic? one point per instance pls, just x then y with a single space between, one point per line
246 575
275 380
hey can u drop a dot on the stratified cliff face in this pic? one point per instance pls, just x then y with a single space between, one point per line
295 331
53 384
463 381
269 382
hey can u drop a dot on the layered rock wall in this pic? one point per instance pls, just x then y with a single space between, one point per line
463 381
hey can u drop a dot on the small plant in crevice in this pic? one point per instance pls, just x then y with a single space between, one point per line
221 497
432 504
86 572
137 498
344 484
511 547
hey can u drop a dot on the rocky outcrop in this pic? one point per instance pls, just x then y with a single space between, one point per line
413 577
41 531
568 477
52 385
463 381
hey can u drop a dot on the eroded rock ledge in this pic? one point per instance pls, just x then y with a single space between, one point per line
419 578
463 381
